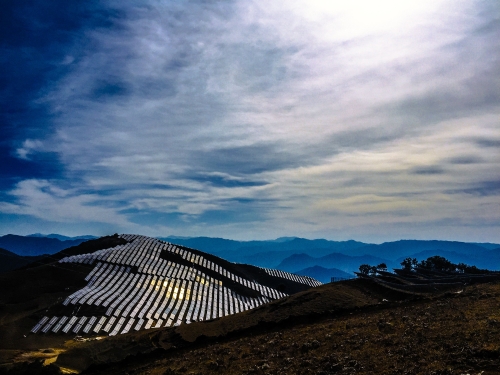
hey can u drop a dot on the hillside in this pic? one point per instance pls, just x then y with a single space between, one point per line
31 291
242 319
451 333
299 308
10 261
128 283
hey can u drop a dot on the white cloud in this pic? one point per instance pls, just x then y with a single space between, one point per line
29 147
45 200
305 97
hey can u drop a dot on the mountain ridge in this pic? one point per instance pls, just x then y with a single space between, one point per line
22 245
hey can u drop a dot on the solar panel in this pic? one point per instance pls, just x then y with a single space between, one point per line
99 324
59 324
128 326
131 280
89 325
39 325
109 324
117 328
139 324
149 324
49 325
79 324
117 294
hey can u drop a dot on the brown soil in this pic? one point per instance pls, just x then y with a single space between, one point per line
454 333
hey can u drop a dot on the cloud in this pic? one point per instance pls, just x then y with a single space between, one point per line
428 170
488 142
29 147
237 117
482 188
47 201
465 159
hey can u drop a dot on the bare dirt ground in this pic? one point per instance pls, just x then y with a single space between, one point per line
352 327
454 333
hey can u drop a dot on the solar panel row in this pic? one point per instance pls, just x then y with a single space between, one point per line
290 276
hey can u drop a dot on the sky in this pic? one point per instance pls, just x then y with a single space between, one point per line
250 119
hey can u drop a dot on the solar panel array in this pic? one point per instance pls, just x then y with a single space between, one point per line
293 277
140 289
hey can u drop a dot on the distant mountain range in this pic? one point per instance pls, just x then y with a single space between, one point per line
266 253
34 245
290 254
343 262
294 254
324 274
60 237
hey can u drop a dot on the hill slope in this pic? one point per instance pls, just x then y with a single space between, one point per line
355 326
128 283
10 261
454 333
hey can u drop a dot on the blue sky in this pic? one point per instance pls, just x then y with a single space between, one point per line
372 120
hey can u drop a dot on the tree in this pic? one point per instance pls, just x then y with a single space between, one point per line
409 263
438 263
366 269
382 267
464 268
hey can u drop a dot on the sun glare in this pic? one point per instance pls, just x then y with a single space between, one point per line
359 17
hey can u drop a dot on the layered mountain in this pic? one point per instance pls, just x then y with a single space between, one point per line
345 263
279 253
405 248
36 245
267 253
271 253
60 237
325 275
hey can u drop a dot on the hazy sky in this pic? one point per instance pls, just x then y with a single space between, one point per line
372 120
